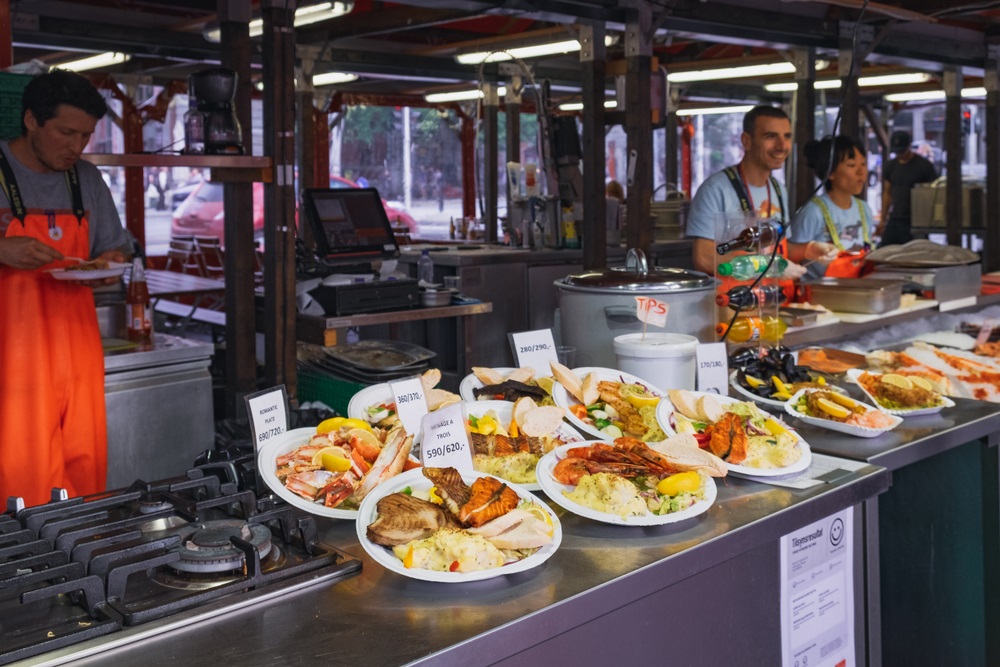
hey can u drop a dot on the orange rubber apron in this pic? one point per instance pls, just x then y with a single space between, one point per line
53 430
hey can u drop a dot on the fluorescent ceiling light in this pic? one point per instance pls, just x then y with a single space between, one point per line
791 86
303 16
930 95
578 106
553 48
94 62
705 111
461 95
330 78
863 82
746 71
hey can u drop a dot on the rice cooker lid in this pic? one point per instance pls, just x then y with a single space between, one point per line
654 280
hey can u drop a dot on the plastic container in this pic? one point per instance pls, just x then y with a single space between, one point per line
425 268
664 359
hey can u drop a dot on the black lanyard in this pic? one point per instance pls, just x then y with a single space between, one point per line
9 184
744 196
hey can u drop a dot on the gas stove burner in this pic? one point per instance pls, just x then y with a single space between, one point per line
150 504
208 547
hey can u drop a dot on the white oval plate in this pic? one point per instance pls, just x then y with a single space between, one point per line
369 396
470 382
946 402
566 433
114 270
283 444
563 399
772 402
415 479
849 429
665 415
554 490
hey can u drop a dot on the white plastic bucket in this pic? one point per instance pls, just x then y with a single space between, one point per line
667 360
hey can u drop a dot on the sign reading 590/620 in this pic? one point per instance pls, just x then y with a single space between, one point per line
437 450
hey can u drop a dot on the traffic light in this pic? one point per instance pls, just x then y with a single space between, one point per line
966 120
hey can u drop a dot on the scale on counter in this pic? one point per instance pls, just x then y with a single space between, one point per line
353 233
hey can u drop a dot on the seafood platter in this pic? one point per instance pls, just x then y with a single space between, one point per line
837 412
906 396
750 441
439 524
630 483
607 404
771 378
506 384
508 439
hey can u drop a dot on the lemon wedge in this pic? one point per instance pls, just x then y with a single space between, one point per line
896 380
330 425
546 384
333 459
682 481
541 515
637 401
774 427
923 383
754 382
846 401
832 409
368 440
780 386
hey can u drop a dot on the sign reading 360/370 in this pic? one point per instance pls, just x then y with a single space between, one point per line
411 403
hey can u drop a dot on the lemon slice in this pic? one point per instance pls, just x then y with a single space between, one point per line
840 399
367 438
541 515
637 401
896 380
678 483
330 425
754 382
333 459
546 384
832 409
923 383
351 422
775 427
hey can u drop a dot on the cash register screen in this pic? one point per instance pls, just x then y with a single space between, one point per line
350 225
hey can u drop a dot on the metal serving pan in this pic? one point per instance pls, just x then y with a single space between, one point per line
855 295
380 355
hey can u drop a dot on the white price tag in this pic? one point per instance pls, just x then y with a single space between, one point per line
268 411
445 441
713 368
411 404
534 349
651 311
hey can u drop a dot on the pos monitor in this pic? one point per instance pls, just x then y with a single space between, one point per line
350 225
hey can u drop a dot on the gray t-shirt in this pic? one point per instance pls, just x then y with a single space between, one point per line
50 192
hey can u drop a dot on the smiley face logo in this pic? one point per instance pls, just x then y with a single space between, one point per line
837 531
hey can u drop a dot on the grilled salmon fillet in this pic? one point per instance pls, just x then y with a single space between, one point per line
490 499
729 439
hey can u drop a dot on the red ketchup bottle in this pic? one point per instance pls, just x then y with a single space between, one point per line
140 326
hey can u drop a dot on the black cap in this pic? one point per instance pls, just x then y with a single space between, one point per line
900 141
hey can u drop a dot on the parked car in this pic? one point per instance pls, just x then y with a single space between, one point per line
397 216
202 214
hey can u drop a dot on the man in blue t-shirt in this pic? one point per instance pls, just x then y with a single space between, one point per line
749 188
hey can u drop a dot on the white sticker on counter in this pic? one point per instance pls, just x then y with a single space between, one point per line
445 441
817 594
411 403
713 367
535 349
268 412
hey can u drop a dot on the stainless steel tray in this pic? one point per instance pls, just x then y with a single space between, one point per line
380 355
855 295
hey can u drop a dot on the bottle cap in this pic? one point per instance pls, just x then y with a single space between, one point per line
725 269
722 299
721 328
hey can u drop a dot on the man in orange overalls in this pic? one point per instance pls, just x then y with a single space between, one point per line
54 210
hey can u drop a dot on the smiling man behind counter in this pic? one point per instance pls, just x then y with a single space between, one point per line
52 420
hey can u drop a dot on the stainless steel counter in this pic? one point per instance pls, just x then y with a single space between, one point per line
694 591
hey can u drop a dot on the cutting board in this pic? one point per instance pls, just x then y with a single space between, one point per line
861 318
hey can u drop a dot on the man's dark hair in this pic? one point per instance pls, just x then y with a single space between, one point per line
43 95
750 120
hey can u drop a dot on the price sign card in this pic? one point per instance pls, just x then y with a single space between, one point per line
411 404
713 368
268 412
445 441
651 311
534 349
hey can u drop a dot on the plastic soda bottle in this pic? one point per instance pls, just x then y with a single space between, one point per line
752 328
746 267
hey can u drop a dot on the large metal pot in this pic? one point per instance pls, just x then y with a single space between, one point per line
596 306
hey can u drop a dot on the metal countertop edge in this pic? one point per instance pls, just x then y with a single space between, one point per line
937 443
508 640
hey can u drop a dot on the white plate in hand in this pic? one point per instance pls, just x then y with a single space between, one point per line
668 422
554 490
565 433
114 270
564 399
415 479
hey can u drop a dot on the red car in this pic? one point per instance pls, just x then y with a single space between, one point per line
396 216
202 214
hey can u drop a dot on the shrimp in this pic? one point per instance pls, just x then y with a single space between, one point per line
570 470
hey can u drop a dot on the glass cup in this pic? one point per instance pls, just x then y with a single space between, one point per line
453 282
567 355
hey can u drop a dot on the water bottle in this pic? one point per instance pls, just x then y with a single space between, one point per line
425 268
746 267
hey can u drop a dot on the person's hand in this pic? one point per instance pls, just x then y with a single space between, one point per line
22 252
110 256
818 251
793 271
